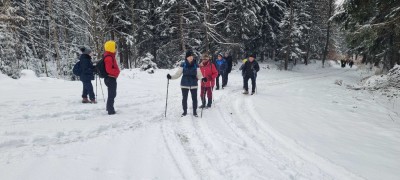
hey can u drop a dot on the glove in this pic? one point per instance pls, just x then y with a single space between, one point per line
169 76
204 79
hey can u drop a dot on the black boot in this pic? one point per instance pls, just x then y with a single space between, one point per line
203 102
195 112
184 113
209 102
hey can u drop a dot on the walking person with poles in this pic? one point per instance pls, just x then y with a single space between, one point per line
190 73
250 70
208 71
113 71
87 75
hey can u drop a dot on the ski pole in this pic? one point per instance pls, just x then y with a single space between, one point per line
166 100
96 85
202 100
101 86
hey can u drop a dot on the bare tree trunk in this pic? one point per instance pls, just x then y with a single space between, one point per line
182 41
207 20
53 35
289 48
328 35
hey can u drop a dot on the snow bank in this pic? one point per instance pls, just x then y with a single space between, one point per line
28 74
3 77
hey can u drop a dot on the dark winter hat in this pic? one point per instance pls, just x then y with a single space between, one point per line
189 53
220 54
253 55
86 50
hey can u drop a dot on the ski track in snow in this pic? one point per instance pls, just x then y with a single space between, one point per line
231 141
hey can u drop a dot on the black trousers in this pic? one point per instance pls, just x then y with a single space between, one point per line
88 90
111 84
253 83
185 93
225 79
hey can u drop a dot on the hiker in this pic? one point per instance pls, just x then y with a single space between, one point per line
351 63
87 75
241 68
190 73
221 66
113 71
208 71
228 59
250 70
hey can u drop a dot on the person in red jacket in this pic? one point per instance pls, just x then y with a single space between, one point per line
113 71
208 71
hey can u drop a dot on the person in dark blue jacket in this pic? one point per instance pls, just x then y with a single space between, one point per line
249 70
190 72
221 65
87 75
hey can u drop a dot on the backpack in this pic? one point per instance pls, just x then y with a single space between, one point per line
77 69
101 68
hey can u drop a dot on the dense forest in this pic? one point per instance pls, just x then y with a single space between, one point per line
45 35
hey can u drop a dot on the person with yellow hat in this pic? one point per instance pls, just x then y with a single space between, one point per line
112 69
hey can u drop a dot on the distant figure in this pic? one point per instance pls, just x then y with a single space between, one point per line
343 63
228 60
241 68
250 69
351 63
221 66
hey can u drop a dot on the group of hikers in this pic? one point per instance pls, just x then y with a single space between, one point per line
206 71
87 70
343 63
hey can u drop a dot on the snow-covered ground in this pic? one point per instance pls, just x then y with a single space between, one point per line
299 125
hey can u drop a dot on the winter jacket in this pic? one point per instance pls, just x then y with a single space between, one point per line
111 65
209 71
86 67
190 75
229 64
242 66
250 69
221 66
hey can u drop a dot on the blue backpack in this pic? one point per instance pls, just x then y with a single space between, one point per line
77 69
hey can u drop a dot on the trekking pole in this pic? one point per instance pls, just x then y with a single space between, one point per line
101 86
255 80
202 100
96 85
166 100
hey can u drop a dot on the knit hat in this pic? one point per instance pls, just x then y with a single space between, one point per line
253 55
110 46
86 50
189 53
220 54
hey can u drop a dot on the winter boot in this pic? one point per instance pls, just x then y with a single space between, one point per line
184 113
209 102
252 93
111 112
93 101
85 100
245 92
203 101
195 113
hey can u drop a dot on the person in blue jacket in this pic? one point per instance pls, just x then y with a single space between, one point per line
221 65
87 75
190 72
